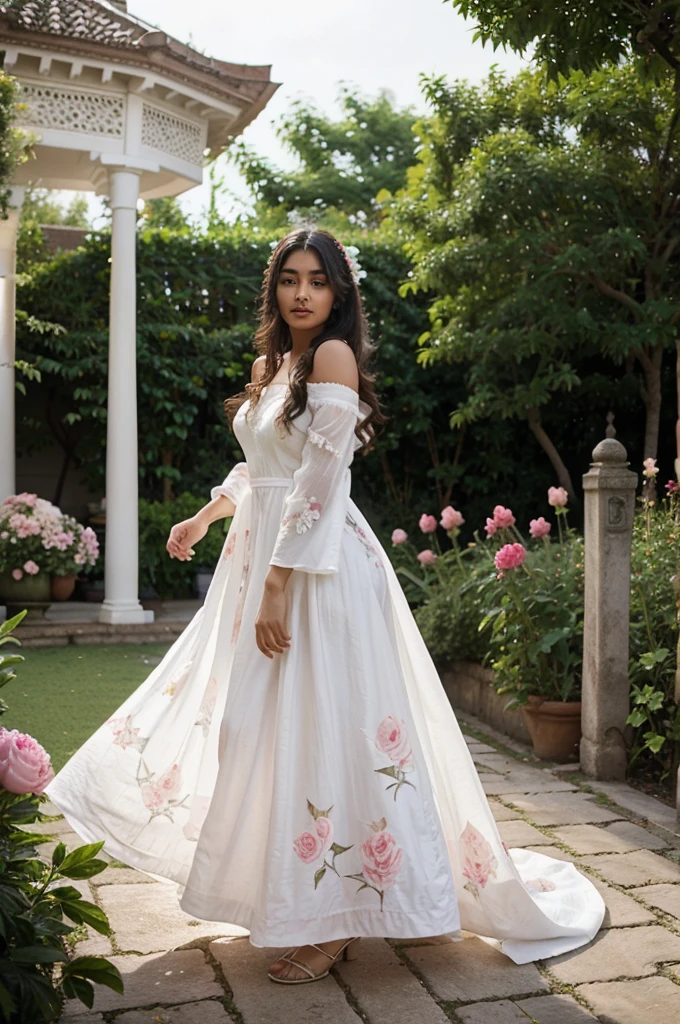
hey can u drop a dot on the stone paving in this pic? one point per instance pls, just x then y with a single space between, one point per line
181 971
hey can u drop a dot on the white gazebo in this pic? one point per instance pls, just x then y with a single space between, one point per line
121 109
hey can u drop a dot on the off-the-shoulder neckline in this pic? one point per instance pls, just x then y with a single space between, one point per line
315 384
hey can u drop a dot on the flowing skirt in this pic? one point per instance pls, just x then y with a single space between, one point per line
324 793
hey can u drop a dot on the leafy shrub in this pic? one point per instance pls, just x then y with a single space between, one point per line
36 972
170 577
655 590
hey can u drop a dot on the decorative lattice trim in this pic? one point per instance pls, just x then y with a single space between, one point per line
322 442
72 110
174 135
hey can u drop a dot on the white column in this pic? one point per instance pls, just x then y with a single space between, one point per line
121 604
8 245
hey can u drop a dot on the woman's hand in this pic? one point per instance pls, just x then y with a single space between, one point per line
183 536
270 624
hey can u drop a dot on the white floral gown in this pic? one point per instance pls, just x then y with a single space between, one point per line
327 792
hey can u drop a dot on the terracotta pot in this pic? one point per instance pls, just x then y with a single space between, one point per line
28 588
61 587
554 727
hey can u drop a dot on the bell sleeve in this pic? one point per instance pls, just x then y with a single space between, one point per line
313 516
234 484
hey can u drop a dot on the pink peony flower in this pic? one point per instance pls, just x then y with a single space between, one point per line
324 830
426 557
490 527
428 524
480 862
308 847
25 766
557 497
539 528
503 517
399 536
31 568
672 487
381 859
17 574
392 739
451 518
510 556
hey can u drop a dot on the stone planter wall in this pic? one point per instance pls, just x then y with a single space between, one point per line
469 688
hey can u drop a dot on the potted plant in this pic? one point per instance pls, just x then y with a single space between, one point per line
41 551
535 594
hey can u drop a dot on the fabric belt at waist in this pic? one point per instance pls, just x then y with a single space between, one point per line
270 481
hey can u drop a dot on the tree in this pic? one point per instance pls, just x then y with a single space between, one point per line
164 213
588 37
535 217
15 143
343 163
40 207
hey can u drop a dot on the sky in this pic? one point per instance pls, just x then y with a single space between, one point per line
312 45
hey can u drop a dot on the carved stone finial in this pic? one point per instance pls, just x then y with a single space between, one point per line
611 429
610 452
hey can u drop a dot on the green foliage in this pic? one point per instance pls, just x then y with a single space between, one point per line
581 35
15 143
536 617
655 590
36 972
171 578
39 208
343 164
540 224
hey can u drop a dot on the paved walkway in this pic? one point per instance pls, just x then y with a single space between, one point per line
181 971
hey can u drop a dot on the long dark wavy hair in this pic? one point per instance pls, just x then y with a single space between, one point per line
347 321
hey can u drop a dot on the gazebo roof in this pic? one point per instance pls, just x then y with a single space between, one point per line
100 27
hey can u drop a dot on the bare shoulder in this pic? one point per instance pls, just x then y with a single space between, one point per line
257 369
335 363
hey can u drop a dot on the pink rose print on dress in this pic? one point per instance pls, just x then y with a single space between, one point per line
125 735
370 549
312 846
159 792
392 740
230 545
480 863
305 518
176 685
238 615
381 859
205 712
540 885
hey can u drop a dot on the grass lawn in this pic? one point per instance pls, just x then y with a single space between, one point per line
62 694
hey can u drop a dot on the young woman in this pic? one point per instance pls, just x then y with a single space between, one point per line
293 761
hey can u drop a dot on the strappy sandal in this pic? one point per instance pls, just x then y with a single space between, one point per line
348 951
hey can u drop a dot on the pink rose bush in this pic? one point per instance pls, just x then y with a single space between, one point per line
37 537
399 536
451 518
510 556
428 524
539 528
426 557
557 497
25 766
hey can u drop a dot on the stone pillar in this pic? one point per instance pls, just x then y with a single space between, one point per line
121 604
609 506
8 244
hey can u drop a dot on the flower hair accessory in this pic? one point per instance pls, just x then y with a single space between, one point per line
350 253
